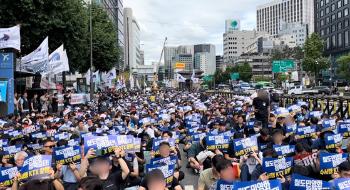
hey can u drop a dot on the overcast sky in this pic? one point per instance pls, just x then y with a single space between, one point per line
187 22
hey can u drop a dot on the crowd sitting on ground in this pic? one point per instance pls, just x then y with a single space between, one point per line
138 140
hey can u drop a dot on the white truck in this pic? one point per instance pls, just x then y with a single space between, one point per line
300 90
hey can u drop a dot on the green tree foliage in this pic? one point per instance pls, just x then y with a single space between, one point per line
344 66
244 70
64 21
105 49
314 60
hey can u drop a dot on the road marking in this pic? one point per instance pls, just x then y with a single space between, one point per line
189 187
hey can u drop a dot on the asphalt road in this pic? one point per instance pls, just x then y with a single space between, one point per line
191 180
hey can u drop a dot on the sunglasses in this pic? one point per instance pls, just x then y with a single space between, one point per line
52 146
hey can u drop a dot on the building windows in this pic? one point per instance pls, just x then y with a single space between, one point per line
327 20
346 2
327 10
322 22
327 43
333 7
322 3
322 32
321 13
346 38
346 12
346 23
333 17
333 41
339 14
327 1
339 4
333 28
340 40
340 25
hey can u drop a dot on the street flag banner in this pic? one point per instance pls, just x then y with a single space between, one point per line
36 61
131 80
102 144
193 77
6 175
344 129
167 170
283 150
67 155
269 184
300 182
58 62
342 183
180 78
3 91
36 168
170 160
108 77
10 38
333 141
245 145
217 142
277 167
306 132
329 162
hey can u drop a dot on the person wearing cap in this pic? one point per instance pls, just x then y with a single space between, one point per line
262 107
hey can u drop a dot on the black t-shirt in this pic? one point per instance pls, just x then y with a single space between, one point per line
261 108
66 99
114 181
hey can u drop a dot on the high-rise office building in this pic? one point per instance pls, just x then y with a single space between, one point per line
169 61
270 15
235 43
187 59
132 41
296 31
205 58
332 24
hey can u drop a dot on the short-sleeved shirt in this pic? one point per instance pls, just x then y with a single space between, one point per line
195 149
207 178
261 107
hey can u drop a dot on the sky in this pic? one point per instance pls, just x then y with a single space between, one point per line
188 22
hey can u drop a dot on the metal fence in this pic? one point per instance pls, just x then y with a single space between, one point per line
327 104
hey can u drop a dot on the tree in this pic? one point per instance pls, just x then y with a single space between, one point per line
314 60
245 72
67 22
344 66
64 21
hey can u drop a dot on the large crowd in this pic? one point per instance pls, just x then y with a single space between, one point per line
146 140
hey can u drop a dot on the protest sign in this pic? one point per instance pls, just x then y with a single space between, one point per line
60 136
217 142
36 146
29 129
283 150
224 185
329 124
307 159
329 162
39 135
170 160
6 175
306 131
342 183
3 142
36 167
125 142
277 167
167 170
10 151
196 137
290 129
156 143
269 184
137 144
101 144
344 128
245 145
333 141
74 142
67 155
16 134
300 182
